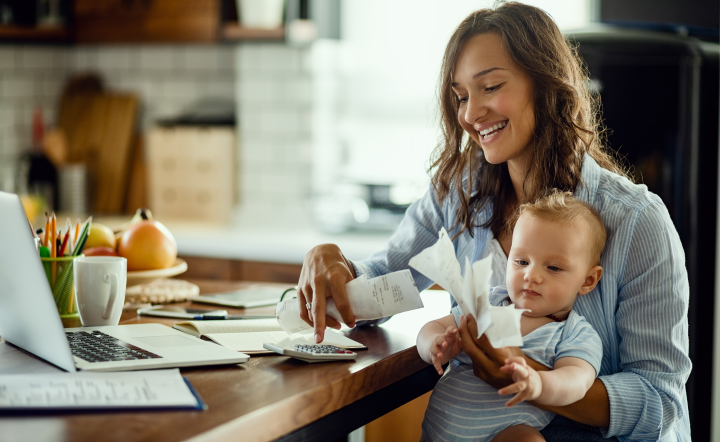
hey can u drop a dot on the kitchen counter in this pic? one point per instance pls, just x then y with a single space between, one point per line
259 243
262 239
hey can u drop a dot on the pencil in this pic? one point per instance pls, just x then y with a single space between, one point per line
61 252
53 235
68 234
82 237
47 229
53 251
77 230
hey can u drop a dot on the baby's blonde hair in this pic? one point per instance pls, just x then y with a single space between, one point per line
562 206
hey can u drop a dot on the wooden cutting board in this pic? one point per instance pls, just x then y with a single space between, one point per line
100 129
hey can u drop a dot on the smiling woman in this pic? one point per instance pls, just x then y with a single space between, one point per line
527 77
518 121
495 101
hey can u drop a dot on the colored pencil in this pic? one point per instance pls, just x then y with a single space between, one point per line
61 253
77 230
82 237
47 230
53 250
68 233
53 235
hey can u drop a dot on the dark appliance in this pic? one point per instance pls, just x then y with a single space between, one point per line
659 95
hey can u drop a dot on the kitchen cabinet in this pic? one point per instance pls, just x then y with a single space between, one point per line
34 34
403 424
145 21
160 21
240 270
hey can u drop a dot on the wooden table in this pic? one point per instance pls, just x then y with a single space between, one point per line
269 397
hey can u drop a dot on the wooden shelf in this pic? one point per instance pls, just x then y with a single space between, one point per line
9 33
230 32
233 31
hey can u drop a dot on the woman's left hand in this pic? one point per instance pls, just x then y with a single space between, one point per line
487 360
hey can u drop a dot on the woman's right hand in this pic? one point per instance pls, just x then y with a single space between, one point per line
324 274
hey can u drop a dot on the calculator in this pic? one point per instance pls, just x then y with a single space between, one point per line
313 352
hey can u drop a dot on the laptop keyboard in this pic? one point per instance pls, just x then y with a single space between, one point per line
97 346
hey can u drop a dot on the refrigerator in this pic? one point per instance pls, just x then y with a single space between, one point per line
659 94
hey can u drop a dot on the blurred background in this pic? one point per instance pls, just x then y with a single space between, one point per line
258 129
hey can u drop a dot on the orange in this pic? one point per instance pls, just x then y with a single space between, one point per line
148 245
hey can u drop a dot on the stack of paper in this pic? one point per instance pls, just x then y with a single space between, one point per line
501 325
374 298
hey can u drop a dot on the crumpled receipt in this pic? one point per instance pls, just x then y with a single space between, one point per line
374 298
501 325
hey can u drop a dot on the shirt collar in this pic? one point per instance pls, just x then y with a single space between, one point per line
586 190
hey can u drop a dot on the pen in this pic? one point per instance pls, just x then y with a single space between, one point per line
220 318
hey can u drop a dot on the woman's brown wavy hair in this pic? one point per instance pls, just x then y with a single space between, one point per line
567 121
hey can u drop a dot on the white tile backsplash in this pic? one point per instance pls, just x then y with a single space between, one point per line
116 59
218 87
199 59
84 58
270 82
8 57
51 88
33 58
297 90
157 58
179 90
256 88
16 86
280 58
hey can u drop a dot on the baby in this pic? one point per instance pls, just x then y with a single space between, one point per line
555 257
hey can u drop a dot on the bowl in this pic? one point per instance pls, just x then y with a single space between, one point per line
144 276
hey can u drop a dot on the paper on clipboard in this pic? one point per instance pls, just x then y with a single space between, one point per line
369 299
501 325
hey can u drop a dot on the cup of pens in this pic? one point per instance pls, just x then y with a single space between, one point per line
58 251
59 272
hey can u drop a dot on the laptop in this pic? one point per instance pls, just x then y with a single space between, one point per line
29 318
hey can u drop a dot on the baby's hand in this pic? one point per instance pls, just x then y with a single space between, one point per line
444 347
528 384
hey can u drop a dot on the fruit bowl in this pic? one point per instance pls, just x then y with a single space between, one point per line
145 276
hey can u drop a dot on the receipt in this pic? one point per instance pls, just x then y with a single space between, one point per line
438 262
374 298
501 325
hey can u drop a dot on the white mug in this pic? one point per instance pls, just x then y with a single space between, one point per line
100 289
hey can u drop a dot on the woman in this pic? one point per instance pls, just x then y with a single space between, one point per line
518 120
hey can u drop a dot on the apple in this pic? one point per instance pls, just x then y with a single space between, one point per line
100 251
99 236
148 245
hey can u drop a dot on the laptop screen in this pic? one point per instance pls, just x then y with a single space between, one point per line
29 318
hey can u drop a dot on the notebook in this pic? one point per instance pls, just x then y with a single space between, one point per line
253 296
249 335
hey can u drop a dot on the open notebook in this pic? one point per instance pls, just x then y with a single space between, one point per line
248 335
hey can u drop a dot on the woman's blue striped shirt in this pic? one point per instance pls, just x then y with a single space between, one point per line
639 309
